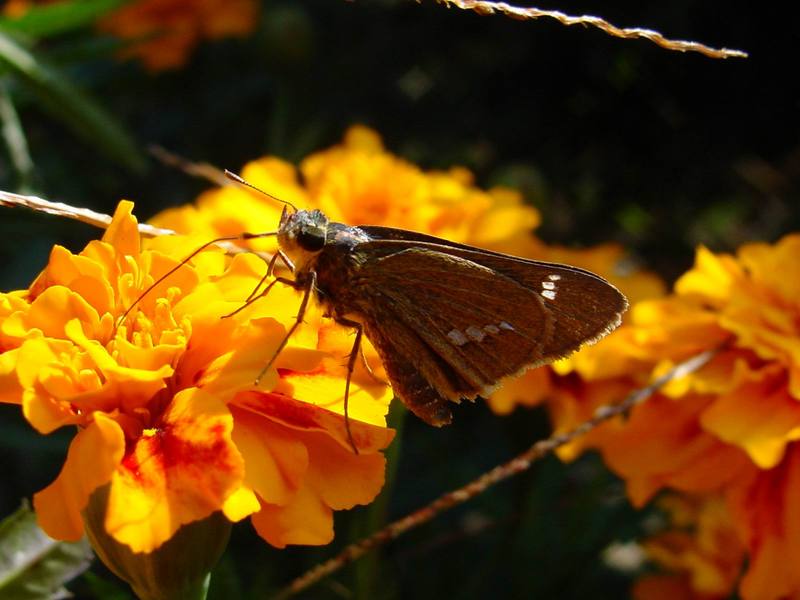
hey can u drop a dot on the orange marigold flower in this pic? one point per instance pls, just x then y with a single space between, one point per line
358 182
162 33
700 552
732 427
168 416
16 8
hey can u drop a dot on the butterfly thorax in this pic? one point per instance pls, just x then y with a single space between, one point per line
314 243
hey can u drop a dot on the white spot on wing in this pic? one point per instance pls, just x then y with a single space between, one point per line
506 326
554 277
548 285
549 294
457 338
475 334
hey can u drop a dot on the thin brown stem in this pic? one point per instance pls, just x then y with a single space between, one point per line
72 212
102 220
486 7
516 465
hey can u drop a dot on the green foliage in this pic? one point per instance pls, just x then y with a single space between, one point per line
55 19
34 566
63 100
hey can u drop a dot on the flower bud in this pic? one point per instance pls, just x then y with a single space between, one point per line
179 568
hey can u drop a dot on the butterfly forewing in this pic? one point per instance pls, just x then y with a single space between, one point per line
450 321
584 306
486 324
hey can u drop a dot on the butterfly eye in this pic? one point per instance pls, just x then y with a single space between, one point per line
311 239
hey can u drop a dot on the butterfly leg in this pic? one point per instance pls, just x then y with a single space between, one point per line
307 286
355 351
255 294
270 271
369 369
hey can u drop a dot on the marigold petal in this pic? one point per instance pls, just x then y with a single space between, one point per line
663 587
93 455
10 388
123 232
241 504
55 307
662 444
276 460
367 404
237 369
529 389
307 417
305 520
767 510
759 418
775 267
179 473
341 477
711 278
38 358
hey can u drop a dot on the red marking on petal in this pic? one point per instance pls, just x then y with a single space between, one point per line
308 417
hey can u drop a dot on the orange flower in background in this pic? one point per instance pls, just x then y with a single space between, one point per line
732 427
169 419
700 552
359 183
162 33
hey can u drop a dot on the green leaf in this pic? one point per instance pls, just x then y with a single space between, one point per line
60 17
34 566
63 100
14 137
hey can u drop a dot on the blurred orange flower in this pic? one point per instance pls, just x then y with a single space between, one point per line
168 415
700 552
162 33
732 427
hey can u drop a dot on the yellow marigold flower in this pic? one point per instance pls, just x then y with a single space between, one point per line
162 33
168 415
360 183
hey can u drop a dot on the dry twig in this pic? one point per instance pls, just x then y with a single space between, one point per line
71 212
97 219
486 7
500 473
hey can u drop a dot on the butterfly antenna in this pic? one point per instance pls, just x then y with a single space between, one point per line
234 177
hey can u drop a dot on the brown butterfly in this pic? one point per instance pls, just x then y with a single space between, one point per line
449 321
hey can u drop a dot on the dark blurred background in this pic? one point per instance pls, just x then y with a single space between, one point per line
610 139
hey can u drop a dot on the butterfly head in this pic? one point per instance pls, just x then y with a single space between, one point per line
302 234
